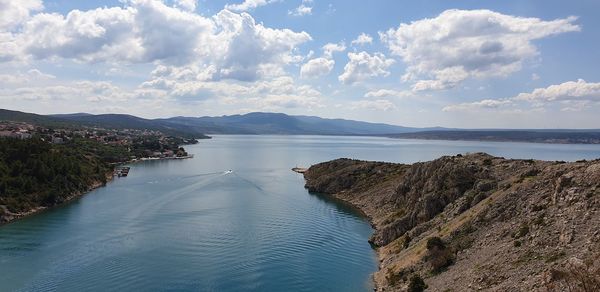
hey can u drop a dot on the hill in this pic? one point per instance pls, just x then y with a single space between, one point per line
122 121
475 222
17 116
108 121
534 136
278 123
252 123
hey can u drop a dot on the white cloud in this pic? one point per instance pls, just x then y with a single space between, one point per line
363 39
147 31
535 77
32 76
478 105
443 51
573 95
301 10
316 67
14 12
92 91
330 48
387 93
189 5
248 5
379 105
363 66
567 91
279 91
243 49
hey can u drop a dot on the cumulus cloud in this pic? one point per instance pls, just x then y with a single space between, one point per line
147 31
442 52
331 48
248 5
567 91
362 39
301 10
316 67
14 13
244 47
281 91
363 66
573 95
379 105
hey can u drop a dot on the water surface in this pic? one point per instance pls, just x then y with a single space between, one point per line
191 225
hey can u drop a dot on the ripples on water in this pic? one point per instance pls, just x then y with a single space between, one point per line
192 225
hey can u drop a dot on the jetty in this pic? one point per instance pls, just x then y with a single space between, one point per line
122 171
299 169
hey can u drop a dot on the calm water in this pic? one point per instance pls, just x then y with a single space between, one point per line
188 225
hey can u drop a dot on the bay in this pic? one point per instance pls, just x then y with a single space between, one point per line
194 225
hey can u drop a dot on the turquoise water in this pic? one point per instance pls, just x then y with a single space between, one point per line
189 225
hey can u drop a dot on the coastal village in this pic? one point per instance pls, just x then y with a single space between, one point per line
144 144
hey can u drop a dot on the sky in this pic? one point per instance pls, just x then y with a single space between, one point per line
467 64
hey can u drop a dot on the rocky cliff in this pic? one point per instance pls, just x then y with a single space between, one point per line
475 222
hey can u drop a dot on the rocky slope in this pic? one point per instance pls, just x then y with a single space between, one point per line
475 222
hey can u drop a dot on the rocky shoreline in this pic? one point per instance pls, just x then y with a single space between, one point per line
475 222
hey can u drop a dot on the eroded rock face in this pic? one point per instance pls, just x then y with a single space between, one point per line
508 222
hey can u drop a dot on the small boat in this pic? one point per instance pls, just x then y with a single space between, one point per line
228 171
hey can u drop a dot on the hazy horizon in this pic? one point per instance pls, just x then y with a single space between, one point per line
509 65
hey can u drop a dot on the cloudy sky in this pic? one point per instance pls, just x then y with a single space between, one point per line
474 64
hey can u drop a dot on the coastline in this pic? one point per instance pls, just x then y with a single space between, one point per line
362 213
477 205
9 217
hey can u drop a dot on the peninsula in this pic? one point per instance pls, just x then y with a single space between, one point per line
473 222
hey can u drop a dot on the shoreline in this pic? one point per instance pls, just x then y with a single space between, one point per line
13 217
8 217
362 213
485 216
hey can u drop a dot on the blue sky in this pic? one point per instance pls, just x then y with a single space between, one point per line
472 64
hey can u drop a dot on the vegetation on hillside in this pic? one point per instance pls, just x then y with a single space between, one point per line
35 173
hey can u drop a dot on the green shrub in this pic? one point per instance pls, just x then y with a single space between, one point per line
395 278
435 242
523 230
416 284
406 241
439 256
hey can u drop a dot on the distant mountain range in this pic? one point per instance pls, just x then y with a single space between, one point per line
260 123
252 123
277 123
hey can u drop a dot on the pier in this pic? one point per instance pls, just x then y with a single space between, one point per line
122 171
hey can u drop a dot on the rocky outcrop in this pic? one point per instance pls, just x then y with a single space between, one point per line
500 224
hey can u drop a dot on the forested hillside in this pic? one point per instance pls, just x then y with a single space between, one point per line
34 173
